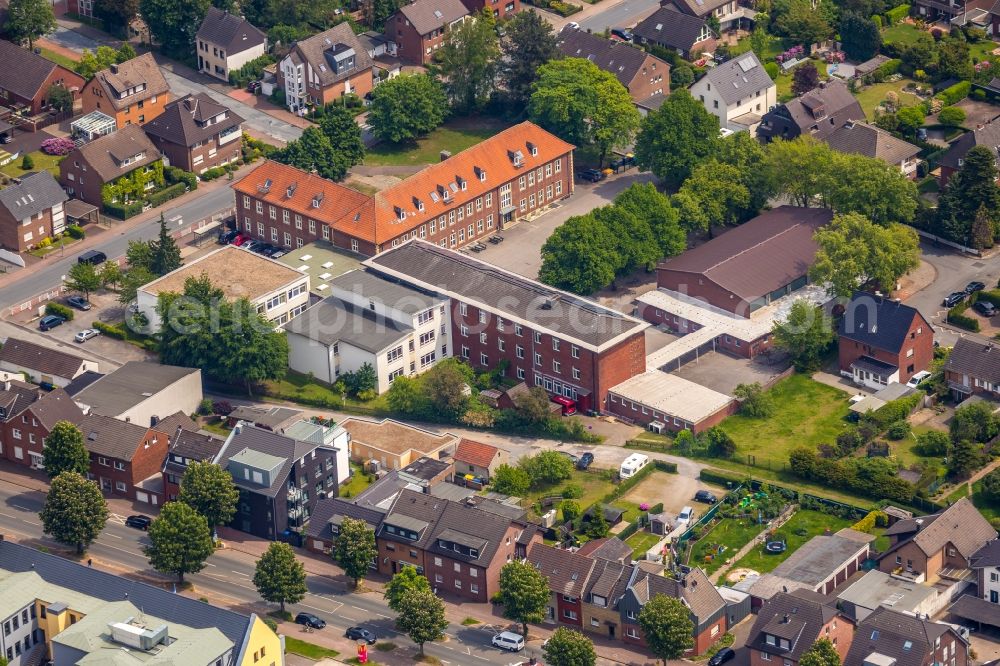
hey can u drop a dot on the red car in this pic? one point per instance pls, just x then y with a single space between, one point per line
240 239
568 406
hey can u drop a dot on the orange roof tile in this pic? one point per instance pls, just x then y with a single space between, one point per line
339 207
475 453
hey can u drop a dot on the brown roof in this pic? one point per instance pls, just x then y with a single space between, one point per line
427 16
56 406
15 397
36 359
475 453
796 616
976 358
696 590
318 52
567 572
609 548
24 73
141 71
755 258
864 139
106 154
107 436
394 437
987 135
233 33
904 639
171 423
962 525
622 60
192 119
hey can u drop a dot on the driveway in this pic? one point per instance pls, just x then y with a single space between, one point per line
673 490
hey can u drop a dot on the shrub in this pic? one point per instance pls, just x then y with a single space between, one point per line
957 317
222 407
205 407
110 330
123 211
166 194
75 231
27 162
979 95
898 430
951 116
772 69
956 93
931 444
897 14
58 146
213 173
59 310
572 491
177 175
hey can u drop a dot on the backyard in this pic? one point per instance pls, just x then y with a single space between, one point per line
801 527
594 485
871 96
716 546
640 542
454 136
42 162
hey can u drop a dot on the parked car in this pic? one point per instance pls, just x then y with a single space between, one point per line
49 322
310 620
722 656
592 175
86 334
240 238
508 640
974 286
585 461
954 298
985 308
226 237
264 249
250 244
139 522
917 378
705 496
253 86
92 257
622 34
685 516
361 634
573 25
78 302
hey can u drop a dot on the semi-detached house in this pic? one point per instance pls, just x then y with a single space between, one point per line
133 92
197 134
125 458
419 28
31 211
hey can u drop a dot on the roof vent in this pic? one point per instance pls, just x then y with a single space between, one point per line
445 154
114 68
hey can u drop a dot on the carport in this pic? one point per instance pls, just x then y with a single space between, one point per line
80 212
977 610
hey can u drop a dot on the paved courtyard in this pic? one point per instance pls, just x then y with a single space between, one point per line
723 373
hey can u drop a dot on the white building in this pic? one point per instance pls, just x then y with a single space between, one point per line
396 329
738 92
143 393
332 437
278 292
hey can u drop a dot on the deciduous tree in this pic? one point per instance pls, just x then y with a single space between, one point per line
407 107
279 577
75 511
754 401
547 467
174 23
60 98
859 36
821 653
805 335
667 627
313 152
118 13
469 61
27 20
510 481
647 203
421 617
580 256
64 451
180 541
524 593
566 647
355 549
528 43
633 239
83 277
406 581
344 133
676 137
719 192
854 252
209 489
804 78
446 386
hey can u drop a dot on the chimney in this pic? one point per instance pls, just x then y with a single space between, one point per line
784 619
114 68
445 154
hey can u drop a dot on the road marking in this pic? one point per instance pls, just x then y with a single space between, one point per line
220 577
387 617
8 515
240 573
479 657
22 508
113 536
209 564
30 522
321 610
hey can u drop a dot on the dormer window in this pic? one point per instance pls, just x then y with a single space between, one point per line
461 182
291 190
400 213
517 157
317 200
419 204
533 149
481 174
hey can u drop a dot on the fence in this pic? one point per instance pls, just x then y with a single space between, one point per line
37 301
948 243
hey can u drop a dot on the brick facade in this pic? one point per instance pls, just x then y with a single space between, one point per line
411 46
200 158
728 342
14 234
138 113
500 8
635 413
915 355
118 477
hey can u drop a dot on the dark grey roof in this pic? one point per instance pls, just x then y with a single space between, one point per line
36 192
179 419
826 108
979 610
508 511
379 493
903 638
609 580
129 385
567 572
610 548
270 443
987 135
192 119
460 523
415 511
878 322
82 382
106 154
271 418
739 78
92 581
232 33
329 509
869 364
392 293
55 406
818 559
425 468
806 613
696 590
698 7
987 556
24 72
670 28
332 320
36 359
195 445
976 358
869 66
15 397
109 437
864 139
495 290
621 59
427 16
315 49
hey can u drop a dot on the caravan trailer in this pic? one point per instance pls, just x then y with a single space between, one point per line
631 465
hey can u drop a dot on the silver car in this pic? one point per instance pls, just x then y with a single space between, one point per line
86 334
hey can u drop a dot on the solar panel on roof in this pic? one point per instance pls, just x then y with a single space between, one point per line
747 64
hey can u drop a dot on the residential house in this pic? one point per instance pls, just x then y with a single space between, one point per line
56 609
500 8
732 15
568 574
329 435
644 76
518 173
706 606
987 135
790 622
973 368
459 548
945 12
143 393
985 562
672 29
325 67
937 546
478 460
818 113
186 446
368 320
27 77
276 291
31 211
226 42
196 133
107 160
860 138
133 92
27 416
126 458
888 636
43 365
327 518
881 341
394 445
738 92
604 591
269 418
419 28
280 479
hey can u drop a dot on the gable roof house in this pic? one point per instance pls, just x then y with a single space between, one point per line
818 113
126 458
890 637
225 43
31 211
27 416
973 367
731 14
738 92
987 134
477 459
790 622
419 28
133 92
881 341
26 77
324 68
44 365
860 138
106 160
644 76
328 516
196 133
568 574
672 29
937 546
186 446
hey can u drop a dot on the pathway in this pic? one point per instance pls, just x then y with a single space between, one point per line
788 512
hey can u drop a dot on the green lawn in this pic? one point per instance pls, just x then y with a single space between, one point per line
42 162
807 413
359 481
784 81
813 522
428 149
982 50
989 510
595 486
308 650
640 542
58 59
217 427
731 533
873 95
901 33
296 387
903 449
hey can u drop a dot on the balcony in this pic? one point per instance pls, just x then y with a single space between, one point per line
295 512
294 494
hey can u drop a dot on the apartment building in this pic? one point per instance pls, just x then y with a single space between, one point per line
125 458
324 68
133 92
737 92
186 447
644 76
226 42
27 416
419 28
31 211
197 134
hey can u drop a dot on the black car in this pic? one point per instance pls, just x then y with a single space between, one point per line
361 634
310 620
139 522
705 496
954 298
973 287
49 322
585 461
722 656
985 308
592 175
265 249
226 237
79 302
622 33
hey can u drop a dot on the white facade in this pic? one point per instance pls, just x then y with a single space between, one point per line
990 588
756 103
20 635
40 377
214 61
295 85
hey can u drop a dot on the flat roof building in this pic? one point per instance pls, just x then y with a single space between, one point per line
393 444
668 402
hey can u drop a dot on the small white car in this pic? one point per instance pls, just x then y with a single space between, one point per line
685 516
917 378
86 334
508 640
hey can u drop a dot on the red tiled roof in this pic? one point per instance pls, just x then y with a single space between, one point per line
475 453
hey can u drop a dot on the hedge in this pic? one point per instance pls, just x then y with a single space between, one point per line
874 519
123 211
59 310
992 296
957 317
75 231
895 410
897 14
166 194
110 330
955 93
177 175
720 478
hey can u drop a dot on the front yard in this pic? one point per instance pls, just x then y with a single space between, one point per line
454 136
801 527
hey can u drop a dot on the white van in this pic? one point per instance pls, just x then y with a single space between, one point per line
685 516
508 640
632 464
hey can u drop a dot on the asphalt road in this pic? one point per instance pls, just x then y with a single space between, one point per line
228 576
624 14
46 275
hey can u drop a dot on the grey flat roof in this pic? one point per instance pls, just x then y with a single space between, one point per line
390 292
333 319
406 522
876 589
818 559
129 385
